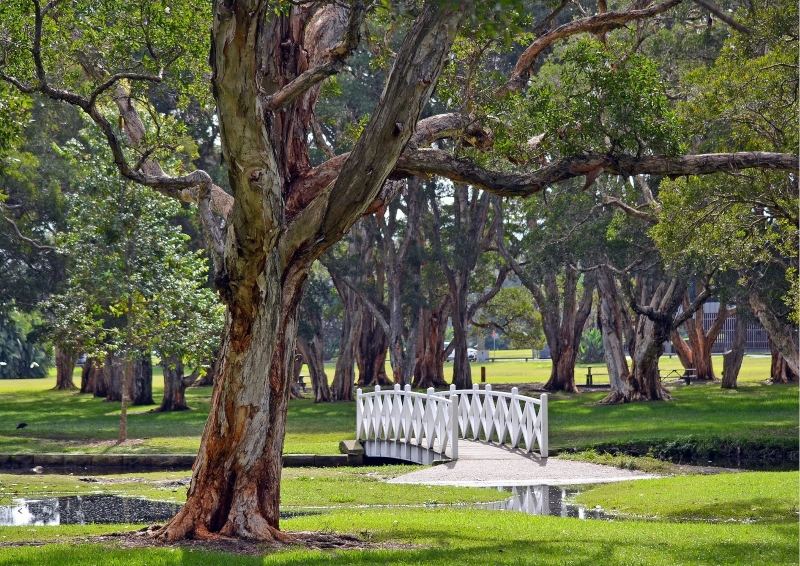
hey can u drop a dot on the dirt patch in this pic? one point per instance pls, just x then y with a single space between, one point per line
306 539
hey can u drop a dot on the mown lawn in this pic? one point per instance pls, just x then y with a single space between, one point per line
69 422
751 496
447 537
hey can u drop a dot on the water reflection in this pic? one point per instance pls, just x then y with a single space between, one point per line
544 500
82 509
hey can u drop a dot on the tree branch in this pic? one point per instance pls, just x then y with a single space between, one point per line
332 61
723 16
598 23
31 241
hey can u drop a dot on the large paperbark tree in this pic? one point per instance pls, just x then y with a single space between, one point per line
267 67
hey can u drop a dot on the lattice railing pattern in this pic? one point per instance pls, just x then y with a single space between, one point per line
509 419
401 415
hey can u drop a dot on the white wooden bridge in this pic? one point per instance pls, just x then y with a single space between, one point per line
428 427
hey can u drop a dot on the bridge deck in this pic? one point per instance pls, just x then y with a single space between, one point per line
482 464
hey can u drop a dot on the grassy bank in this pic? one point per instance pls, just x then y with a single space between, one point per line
69 422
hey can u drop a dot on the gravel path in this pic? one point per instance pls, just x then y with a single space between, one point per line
480 464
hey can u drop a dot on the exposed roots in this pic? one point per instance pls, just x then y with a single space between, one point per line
619 397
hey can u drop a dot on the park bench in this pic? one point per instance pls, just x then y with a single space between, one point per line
688 374
301 381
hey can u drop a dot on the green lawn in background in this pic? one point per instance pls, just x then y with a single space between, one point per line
70 422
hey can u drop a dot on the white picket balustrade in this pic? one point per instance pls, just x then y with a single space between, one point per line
508 419
401 416
400 423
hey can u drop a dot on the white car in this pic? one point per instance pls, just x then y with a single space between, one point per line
472 354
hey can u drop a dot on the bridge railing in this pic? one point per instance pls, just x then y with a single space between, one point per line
509 419
428 420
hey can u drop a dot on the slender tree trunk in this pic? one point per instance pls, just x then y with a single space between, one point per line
65 366
614 326
313 356
462 373
732 359
128 369
344 375
371 352
429 368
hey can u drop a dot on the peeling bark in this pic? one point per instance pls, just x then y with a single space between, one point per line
617 331
344 375
89 376
312 351
695 352
429 366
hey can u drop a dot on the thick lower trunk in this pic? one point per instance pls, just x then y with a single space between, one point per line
645 382
65 366
140 384
429 369
732 359
175 383
100 388
612 329
235 487
371 352
89 376
780 369
313 356
562 371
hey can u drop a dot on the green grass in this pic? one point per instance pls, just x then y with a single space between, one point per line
755 496
453 537
70 422
300 487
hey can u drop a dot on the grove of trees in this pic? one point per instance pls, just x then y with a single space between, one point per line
239 185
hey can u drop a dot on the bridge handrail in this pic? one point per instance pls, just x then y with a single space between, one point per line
388 414
515 419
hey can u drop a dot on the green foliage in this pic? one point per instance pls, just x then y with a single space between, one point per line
588 99
591 349
21 351
513 313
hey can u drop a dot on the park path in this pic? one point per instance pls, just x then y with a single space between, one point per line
480 464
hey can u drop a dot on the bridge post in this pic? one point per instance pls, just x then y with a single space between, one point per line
544 445
454 427
359 415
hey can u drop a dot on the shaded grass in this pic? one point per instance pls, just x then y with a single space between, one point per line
300 487
463 537
756 496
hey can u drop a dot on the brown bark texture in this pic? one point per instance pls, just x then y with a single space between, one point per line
732 359
175 384
65 366
344 375
695 351
429 366
90 372
312 351
616 328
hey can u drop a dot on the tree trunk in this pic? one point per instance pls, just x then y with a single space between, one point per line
780 369
313 356
344 375
429 367
208 378
235 487
697 352
462 372
614 327
140 389
175 384
645 382
100 384
128 370
113 370
90 373
781 336
65 366
140 384
371 352
732 359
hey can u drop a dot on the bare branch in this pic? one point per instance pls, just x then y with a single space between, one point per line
717 11
628 209
31 241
